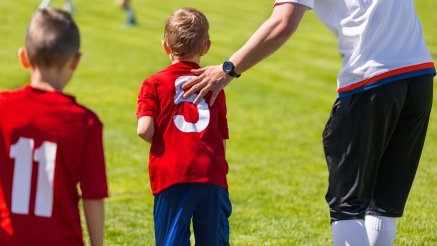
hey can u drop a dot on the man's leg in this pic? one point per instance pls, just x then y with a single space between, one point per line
354 140
399 163
381 230
349 232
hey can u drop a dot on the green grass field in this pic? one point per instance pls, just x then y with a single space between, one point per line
276 113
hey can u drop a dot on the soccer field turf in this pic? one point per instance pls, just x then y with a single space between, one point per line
276 113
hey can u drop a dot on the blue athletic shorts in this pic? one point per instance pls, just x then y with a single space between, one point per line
207 205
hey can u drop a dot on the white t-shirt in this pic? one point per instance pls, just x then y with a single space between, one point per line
381 40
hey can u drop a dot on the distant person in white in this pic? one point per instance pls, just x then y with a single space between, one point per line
377 127
68 5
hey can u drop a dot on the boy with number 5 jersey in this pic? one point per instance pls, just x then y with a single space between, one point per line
49 145
187 164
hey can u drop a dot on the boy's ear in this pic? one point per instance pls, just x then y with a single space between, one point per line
166 47
22 56
75 60
208 45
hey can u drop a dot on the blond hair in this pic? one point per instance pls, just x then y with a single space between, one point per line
186 32
52 38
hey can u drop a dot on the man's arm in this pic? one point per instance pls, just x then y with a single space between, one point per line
269 37
95 219
146 128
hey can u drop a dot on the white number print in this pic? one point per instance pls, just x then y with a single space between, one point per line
202 108
45 155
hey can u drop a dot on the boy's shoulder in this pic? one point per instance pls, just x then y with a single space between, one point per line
29 98
166 77
173 71
88 114
7 95
12 97
161 75
84 112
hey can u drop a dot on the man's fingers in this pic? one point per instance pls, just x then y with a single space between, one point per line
194 89
190 83
213 97
199 71
205 81
189 92
201 94
197 100
195 80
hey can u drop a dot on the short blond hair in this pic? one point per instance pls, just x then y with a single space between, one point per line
186 32
52 38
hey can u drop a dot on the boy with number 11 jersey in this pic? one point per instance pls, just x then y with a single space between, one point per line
187 164
50 146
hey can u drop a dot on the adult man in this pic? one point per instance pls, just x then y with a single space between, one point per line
374 137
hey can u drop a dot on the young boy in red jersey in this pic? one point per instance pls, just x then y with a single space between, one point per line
187 164
49 145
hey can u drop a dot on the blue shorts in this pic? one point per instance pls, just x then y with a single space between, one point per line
207 205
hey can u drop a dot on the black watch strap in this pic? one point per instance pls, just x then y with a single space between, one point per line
228 67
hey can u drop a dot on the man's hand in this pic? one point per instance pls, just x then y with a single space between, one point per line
210 78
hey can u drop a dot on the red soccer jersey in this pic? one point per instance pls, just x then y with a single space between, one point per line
48 146
187 146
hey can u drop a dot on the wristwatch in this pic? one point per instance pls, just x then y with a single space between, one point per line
229 67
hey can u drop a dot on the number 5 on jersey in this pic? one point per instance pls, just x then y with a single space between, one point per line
202 107
45 156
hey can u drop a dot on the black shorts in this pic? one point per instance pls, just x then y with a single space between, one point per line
373 141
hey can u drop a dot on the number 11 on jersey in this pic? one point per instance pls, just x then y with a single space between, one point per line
45 156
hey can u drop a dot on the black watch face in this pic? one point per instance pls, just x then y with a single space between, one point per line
228 67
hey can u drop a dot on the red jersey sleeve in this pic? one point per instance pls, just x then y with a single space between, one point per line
93 181
147 104
223 121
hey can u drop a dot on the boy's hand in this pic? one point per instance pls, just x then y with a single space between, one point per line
210 78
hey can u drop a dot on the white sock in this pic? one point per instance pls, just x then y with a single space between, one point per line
380 230
349 233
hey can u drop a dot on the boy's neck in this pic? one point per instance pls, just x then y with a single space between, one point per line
48 79
175 59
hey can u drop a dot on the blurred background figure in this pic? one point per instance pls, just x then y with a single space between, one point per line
131 20
68 5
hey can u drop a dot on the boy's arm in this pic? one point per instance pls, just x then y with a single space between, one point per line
95 218
146 128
